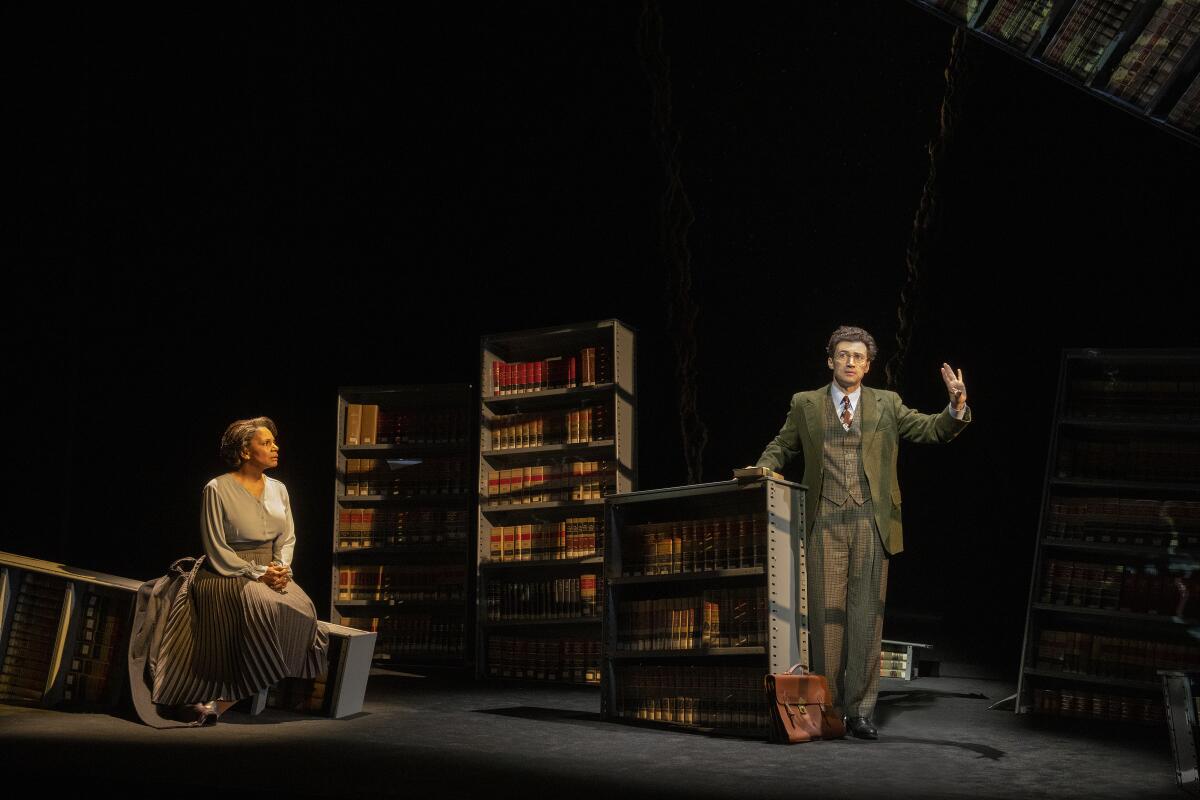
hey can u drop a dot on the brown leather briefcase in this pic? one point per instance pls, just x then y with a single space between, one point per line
799 708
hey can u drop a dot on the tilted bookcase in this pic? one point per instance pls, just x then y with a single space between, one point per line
64 635
404 519
1142 56
557 435
1116 585
706 594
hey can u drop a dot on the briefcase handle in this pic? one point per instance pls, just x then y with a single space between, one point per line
798 665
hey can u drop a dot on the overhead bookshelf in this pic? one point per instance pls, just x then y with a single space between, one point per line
557 434
706 593
1142 56
1116 578
403 520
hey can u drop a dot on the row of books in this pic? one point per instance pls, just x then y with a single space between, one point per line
703 696
360 527
389 583
1112 656
1018 22
697 545
1117 587
411 635
716 618
893 664
553 598
1155 55
1186 115
546 483
1134 400
98 651
576 537
1136 460
1124 520
31 638
568 660
574 426
1090 26
960 9
1087 704
300 695
590 367
429 478
367 423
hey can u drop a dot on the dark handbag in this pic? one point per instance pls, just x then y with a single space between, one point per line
799 708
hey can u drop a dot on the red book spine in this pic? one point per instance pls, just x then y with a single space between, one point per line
571 372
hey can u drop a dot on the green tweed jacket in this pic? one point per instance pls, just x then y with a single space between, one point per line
885 420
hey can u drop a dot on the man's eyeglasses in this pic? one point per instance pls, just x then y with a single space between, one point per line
853 358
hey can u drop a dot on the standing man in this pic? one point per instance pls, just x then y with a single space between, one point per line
849 435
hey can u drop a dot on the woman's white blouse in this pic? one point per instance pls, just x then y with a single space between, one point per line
231 515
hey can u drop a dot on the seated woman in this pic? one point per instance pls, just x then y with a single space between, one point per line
234 623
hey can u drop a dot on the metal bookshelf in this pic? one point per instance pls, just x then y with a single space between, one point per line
1129 20
645 680
407 530
547 649
1115 579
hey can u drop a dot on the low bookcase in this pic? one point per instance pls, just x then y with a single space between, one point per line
706 592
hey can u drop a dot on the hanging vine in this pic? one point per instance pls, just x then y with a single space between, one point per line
675 218
925 222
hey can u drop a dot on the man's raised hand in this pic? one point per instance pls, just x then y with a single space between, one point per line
955 386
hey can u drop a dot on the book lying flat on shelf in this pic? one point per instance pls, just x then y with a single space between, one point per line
756 472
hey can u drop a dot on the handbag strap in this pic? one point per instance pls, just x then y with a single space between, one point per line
178 568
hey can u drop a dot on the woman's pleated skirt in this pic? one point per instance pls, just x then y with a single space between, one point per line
230 637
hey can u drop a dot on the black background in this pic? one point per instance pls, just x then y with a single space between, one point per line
220 215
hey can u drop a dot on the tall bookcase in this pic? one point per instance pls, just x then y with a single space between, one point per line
557 435
706 593
403 520
64 635
1142 56
1115 585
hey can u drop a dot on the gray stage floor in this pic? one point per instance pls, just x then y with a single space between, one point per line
438 737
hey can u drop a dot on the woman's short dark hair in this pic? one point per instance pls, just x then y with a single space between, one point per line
849 333
239 434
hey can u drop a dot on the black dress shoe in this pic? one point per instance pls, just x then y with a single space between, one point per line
862 727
